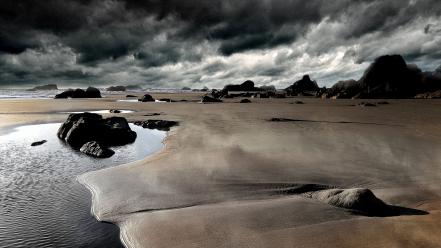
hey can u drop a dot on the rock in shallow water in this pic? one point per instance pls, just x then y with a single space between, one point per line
94 149
82 128
157 124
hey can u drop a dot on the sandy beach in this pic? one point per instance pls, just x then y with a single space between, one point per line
221 180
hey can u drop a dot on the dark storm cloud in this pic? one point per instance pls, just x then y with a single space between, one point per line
86 39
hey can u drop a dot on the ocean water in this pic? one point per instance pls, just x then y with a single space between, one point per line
49 94
41 202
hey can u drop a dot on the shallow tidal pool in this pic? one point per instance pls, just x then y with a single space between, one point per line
41 202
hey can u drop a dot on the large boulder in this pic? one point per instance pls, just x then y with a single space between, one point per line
147 98
304 86
79 129
95 149
92 92
116 88
359 200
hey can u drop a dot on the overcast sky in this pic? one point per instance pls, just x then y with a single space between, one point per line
196 43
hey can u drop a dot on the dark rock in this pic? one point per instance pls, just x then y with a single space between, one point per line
429 95
90 92
360 200
157 124
65 94
147 98
299 102
115 111
387 77
208 99
46 87
383 103
245 101
129 96
116 88
344 90
166 100
94 149
38 143
79 93
245 86
152 114
79 129
367 104
303 87
186 88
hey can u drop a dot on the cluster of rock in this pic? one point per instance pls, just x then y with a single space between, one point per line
92 135
389 76
90 92
162 125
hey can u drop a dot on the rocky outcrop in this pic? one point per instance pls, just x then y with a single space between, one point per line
245 101
115 111
209 99
344 90
162 125
244 87
304 86
94 149
45 87
116 88
79 129
147 98
388 76
90 92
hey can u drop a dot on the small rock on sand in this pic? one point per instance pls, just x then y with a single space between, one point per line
206 99
38 143
360 200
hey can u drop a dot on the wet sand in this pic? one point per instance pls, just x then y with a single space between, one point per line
218 182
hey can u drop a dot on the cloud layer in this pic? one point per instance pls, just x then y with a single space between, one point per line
175 43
